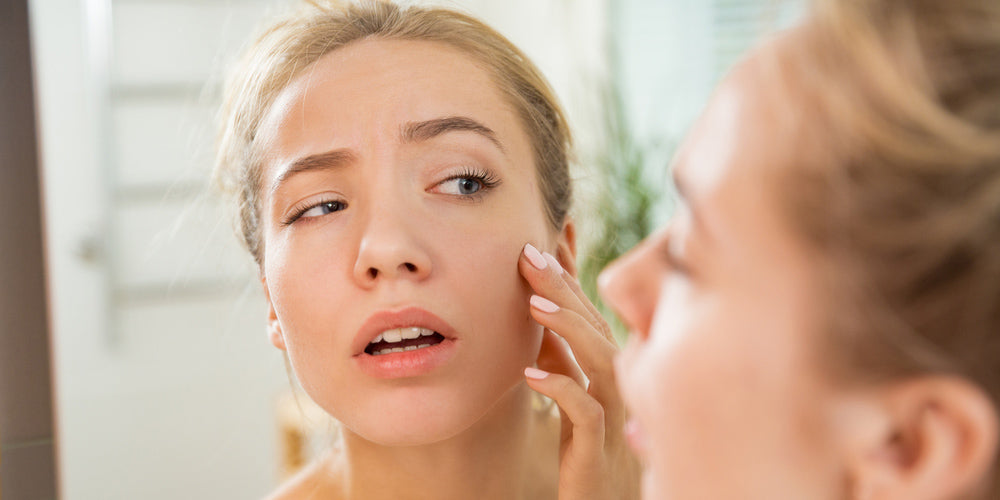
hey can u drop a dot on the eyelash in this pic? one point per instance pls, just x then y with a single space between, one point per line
299 211
488 180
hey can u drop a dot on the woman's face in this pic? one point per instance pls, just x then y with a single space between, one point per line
721 374
399 189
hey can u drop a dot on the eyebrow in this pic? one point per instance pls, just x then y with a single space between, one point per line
426 130
409 132
330 160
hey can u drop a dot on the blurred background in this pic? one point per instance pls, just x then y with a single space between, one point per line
163 383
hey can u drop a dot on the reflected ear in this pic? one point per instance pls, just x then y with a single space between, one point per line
274 333
929 438
566 247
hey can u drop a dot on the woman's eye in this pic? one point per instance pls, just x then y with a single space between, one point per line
324 208
467 183
670 252
462 186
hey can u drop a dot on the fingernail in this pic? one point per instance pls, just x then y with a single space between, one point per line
553 262
543 304
535 373
534 257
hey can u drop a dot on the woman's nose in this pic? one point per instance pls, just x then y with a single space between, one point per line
390 248
631 286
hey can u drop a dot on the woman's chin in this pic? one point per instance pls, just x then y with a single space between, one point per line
413 431
424 416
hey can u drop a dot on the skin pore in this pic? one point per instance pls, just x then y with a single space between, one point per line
397 178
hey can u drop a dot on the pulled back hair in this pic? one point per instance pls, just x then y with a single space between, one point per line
902 193
288 47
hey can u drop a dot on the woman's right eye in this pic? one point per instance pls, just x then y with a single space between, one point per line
327 207
319 210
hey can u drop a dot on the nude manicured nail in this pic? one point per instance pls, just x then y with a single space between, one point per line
534 257
535 373
543 304
553 262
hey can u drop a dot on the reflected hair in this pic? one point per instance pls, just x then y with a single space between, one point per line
899 184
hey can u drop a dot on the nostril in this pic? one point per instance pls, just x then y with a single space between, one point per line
372 272
410 267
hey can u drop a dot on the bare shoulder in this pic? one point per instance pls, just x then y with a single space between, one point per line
318 480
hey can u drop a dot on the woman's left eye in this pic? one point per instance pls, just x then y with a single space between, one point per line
462 186
467 184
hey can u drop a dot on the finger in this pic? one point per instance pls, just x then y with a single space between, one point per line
555 356
585 412
594 353
568 318
596 318
547 278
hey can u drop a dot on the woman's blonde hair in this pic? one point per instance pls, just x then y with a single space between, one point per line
902 192
285 49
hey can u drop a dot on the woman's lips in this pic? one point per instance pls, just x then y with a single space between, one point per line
432 345
383 321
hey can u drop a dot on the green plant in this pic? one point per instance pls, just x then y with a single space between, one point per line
620 213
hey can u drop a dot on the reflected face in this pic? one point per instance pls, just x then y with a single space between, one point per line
720 373
398 192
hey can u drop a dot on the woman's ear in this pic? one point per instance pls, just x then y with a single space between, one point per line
566 247
937 439
274 333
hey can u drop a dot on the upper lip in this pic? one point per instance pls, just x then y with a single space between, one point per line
406 317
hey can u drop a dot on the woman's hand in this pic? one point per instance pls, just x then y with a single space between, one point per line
594 459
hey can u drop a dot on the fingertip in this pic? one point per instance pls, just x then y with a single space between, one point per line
552 261
543 304
534 373
534 257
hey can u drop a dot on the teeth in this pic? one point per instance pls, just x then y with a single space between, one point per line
392 335
391 350
398 334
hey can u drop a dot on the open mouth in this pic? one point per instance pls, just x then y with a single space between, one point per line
403 339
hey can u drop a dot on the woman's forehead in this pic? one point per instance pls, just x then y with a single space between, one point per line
374 88
394 74
727 169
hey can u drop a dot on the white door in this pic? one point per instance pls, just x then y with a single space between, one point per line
165 381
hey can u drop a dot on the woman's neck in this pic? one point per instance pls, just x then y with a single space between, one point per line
512 452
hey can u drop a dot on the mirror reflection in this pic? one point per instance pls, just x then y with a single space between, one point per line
168 381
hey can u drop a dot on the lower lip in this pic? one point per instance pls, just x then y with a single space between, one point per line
407 363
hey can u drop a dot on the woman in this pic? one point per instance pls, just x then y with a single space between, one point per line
403 185
822 317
